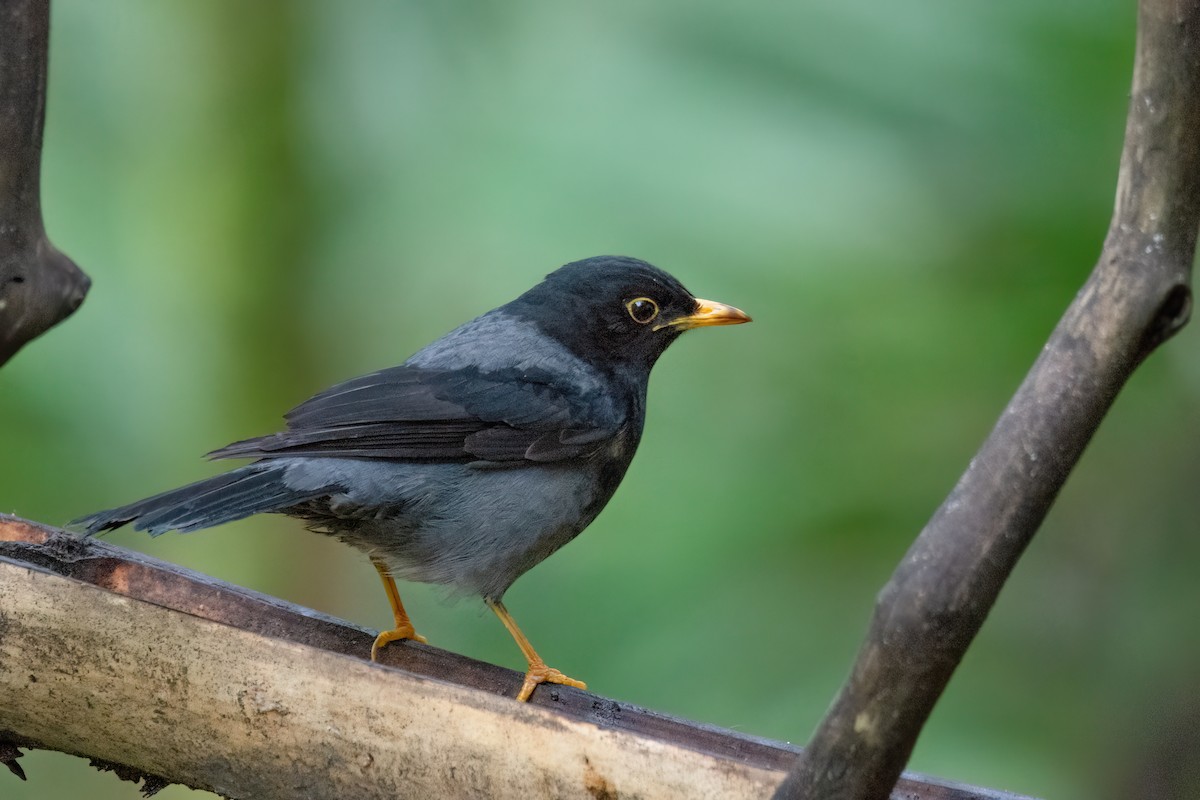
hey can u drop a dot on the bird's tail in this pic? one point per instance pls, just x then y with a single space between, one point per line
252 489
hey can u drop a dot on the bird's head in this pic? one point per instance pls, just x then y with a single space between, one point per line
616 311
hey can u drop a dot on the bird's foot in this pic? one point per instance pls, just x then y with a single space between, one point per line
394 635
540 673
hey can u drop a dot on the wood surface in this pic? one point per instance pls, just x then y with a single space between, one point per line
177 677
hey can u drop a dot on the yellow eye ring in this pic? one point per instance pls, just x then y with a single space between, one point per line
642 309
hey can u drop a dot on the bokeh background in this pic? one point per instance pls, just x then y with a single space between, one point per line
274 196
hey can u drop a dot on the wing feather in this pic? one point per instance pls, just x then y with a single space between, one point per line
414 413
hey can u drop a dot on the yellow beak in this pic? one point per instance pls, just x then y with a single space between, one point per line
707 313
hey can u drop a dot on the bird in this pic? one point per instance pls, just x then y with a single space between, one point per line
471 462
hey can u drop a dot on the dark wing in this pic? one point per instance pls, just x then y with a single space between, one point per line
445 415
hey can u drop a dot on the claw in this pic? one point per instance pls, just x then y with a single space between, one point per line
540 673
395 635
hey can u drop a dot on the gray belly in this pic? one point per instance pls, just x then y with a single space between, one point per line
476 530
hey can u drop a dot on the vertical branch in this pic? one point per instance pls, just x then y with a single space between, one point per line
39 286
1138 296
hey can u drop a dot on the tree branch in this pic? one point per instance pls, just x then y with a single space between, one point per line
164 674
1138 296
39 286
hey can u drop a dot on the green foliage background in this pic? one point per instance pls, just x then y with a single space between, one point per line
274 196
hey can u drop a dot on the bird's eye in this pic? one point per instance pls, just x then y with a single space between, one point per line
642 309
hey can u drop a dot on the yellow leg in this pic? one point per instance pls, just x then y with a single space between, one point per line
538 671
404 627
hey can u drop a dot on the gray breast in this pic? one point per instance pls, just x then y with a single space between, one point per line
474 530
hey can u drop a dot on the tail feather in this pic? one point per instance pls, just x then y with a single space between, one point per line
234 495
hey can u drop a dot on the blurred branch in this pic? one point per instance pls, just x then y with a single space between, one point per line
1138 296
39 286
169 676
